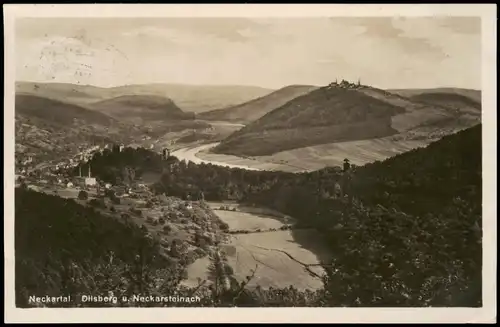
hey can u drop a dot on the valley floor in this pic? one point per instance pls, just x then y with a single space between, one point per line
281 258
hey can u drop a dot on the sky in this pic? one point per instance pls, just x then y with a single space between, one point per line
383 52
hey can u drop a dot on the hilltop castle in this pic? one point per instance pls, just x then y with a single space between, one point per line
344 84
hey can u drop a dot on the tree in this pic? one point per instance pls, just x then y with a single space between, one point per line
167 229
82 195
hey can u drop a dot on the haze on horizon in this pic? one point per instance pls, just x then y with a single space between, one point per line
273 52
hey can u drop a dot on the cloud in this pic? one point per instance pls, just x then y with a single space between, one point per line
272 52
461 25
392 30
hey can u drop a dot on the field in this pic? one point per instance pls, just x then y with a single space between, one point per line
320 156
333 154
274 268
266 251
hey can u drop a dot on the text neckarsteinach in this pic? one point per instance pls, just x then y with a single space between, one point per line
115 299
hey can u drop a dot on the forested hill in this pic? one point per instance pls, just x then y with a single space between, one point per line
411 232
71 249
424 180
408 232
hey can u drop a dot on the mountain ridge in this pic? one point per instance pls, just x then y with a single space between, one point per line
196 98
345 112
256 108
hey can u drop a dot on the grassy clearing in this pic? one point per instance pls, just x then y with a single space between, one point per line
247 221
275 268
333 154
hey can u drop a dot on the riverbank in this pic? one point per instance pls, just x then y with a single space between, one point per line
304 159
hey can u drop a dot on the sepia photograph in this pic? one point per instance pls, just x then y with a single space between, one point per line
250 159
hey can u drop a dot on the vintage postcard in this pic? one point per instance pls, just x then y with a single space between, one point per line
250 163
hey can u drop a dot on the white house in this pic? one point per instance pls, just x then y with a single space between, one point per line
90 181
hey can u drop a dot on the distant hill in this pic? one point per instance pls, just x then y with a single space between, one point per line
345 112
325 115
141 107
254 109
58 112
472 94
68 93
195 98
449 100
48 129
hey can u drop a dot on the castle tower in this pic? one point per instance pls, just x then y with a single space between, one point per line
166 153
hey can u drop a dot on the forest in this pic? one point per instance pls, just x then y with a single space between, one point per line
406 231
113 166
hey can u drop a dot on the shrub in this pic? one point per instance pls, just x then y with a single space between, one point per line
224 226
167 229
136 211
200 253
97 203
228 270
82 195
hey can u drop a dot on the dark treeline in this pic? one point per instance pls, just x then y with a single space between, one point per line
406 233
215 183
117 167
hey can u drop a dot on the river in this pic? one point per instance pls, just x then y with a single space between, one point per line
189 154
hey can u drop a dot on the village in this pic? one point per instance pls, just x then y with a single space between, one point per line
187 229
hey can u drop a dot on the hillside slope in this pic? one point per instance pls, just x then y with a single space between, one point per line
450 100
328 114
474 95
58 112
254 109
195 98
48 129
412 230
142 108
74 250
347 113
68 93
